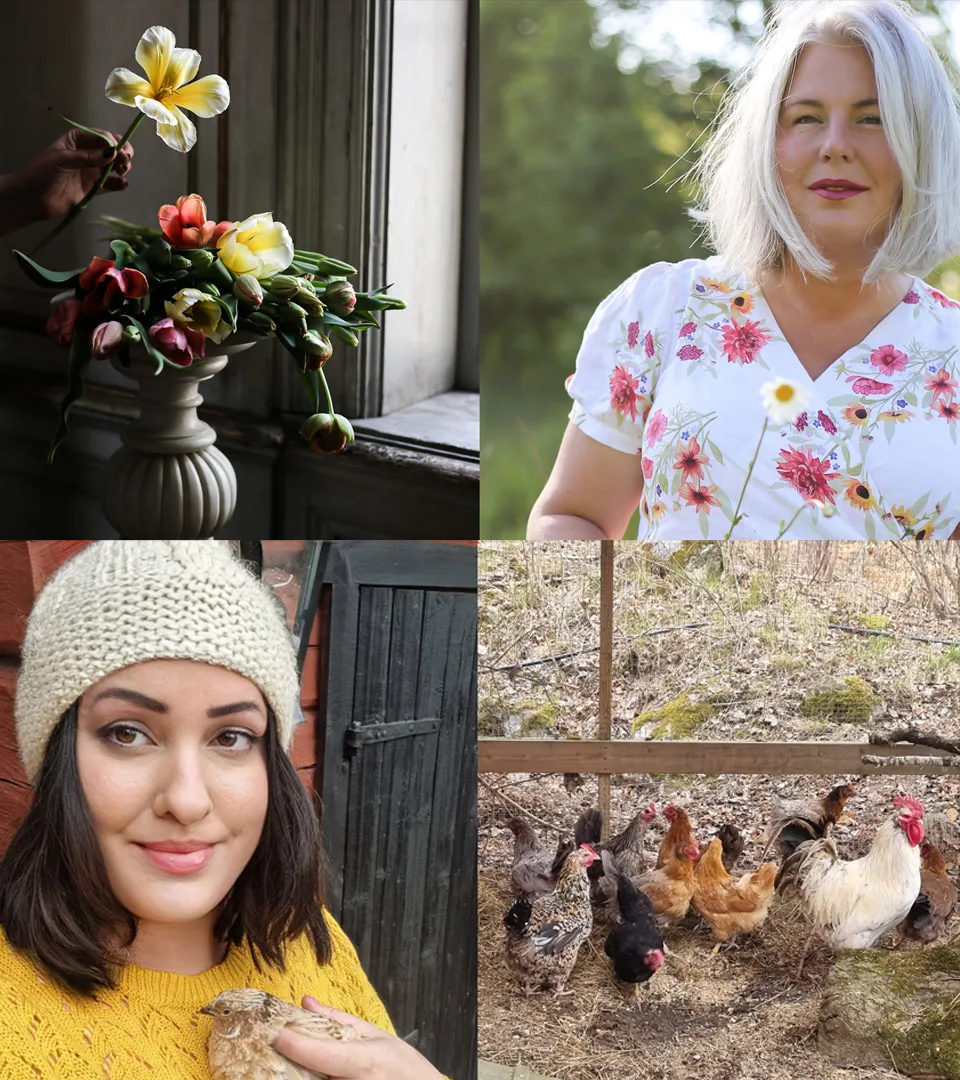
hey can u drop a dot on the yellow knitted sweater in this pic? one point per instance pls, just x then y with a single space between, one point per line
148 1026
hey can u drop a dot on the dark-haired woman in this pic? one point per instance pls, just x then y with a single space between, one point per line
170 851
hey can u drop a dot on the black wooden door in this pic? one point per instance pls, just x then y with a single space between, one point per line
399 776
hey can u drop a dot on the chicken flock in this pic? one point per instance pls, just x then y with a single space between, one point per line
900 884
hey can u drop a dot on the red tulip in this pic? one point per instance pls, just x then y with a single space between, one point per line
186 226
110 286
178 344
60 324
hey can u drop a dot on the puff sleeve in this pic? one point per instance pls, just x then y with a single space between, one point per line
624 347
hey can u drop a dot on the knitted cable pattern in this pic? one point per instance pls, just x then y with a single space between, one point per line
120 602
149 1025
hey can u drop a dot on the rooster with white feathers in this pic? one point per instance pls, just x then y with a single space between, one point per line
852 904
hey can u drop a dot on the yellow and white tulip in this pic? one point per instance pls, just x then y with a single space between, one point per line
195 310
168 89
258 245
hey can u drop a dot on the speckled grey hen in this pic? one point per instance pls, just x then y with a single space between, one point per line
245 1025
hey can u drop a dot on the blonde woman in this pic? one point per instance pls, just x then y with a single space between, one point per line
829 191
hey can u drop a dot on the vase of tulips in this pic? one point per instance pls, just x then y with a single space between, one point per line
171 304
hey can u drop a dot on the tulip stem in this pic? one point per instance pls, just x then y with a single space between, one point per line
326 391
97 187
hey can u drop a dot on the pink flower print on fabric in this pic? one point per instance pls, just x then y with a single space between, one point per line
700 496
648 344
742 343
689 458
826 423
647 464
623 392
656 426
889 359
689 352
949 410
687 328
801 421
807 474
941 384
633 335
943 301
911 298
865 387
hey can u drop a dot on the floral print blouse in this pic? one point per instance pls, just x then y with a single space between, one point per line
671 367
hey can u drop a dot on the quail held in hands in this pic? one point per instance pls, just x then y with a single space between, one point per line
245 1025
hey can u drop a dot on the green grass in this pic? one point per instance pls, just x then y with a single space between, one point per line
519 439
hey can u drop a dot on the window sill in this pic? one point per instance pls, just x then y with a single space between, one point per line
447 425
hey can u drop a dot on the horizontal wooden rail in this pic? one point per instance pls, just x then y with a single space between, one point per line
596 756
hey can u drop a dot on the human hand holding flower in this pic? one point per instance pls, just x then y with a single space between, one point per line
59 178
375 1056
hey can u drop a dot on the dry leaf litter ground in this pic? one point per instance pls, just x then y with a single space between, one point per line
742 1015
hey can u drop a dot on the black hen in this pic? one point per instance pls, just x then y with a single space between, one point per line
635 944
731 841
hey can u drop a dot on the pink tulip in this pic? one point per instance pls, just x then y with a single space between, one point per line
186 226
106 339
178 344
60 324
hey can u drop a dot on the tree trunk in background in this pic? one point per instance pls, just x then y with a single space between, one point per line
898 1007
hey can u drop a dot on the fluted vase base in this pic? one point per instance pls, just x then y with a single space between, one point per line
169 496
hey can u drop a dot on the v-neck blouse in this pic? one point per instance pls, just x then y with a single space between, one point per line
671 367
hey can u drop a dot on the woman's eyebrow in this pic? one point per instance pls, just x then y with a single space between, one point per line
229 710
862 104
133 697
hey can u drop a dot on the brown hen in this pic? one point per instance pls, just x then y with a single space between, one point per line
731 906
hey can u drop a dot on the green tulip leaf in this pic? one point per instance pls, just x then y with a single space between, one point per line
108 139
40 276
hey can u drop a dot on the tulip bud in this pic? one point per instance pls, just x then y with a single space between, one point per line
344 333
180 262
246 287
290 313
201 259
318 348
283 285
327 434
341 297
208 287
309 300
131 333
107 337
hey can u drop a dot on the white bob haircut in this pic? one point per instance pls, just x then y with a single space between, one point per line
747 218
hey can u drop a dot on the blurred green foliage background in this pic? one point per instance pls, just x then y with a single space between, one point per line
584 142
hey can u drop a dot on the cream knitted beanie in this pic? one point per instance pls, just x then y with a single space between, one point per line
119 602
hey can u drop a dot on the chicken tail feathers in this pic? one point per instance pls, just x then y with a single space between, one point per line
588 828
517 918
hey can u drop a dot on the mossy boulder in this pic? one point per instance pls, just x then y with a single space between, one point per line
679 717
535 718
898 1006
872 622
848 701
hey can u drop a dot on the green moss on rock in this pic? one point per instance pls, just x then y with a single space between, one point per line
872 622
678 718
851 701
535 718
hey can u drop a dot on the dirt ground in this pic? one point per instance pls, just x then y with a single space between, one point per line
767 643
